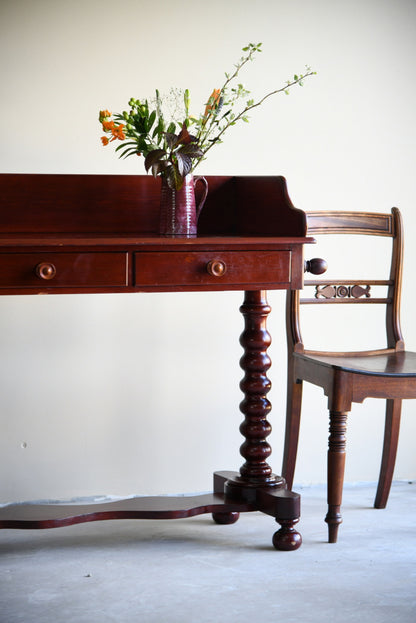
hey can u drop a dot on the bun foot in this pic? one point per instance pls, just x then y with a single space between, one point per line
225 518
287 538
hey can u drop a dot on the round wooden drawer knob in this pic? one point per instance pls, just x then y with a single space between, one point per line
316 266
216 268
45 270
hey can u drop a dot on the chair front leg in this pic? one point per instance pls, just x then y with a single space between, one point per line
336 469
391 439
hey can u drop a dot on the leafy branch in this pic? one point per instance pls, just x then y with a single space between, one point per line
232 119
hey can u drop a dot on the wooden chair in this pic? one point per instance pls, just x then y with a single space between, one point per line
347 377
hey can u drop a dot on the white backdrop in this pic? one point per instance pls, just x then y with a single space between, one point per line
139 394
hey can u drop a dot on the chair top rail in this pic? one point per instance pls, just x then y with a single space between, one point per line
369 223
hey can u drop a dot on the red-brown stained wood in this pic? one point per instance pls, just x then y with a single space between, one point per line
99 233
347 377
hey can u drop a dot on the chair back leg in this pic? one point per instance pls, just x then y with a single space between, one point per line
391 439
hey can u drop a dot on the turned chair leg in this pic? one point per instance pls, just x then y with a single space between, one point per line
336 469
293 413
391 438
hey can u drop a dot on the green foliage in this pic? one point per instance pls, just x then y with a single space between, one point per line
169 148
176 159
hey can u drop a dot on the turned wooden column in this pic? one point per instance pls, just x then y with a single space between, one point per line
336 467
255 385
256 484
255 406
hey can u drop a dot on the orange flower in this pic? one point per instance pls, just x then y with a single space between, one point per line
108 126
117 132
213 102
104 115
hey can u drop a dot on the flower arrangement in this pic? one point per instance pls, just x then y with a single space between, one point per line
174 148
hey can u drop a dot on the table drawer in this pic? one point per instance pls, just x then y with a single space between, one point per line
54 270
226 268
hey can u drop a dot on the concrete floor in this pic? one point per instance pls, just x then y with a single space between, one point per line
192 570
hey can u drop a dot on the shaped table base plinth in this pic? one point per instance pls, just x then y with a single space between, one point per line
280 503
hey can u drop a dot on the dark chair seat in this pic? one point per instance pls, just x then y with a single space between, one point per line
401 363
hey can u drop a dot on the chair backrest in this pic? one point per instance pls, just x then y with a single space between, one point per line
352 291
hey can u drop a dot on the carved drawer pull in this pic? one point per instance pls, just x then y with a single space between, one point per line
216 268
45 270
